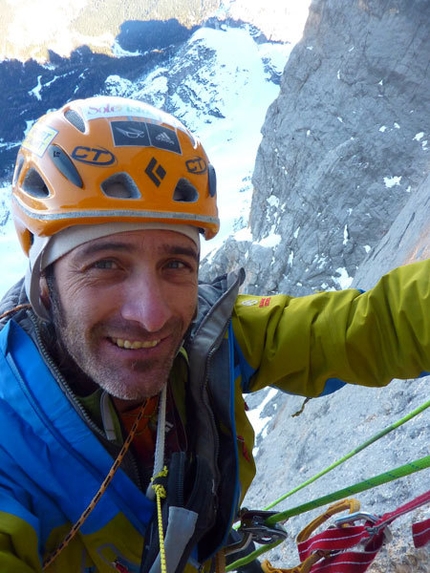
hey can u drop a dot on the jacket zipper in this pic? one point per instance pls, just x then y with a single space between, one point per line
80 409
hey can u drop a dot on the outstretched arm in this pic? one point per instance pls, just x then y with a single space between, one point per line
305 344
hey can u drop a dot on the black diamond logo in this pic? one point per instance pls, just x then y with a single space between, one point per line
155 172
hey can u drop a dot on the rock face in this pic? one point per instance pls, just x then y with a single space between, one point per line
342 178
344 147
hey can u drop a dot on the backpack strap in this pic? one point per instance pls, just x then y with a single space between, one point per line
185 515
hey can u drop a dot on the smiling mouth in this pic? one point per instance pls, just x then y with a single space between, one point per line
135 344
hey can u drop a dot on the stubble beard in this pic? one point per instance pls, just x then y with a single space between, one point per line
81 358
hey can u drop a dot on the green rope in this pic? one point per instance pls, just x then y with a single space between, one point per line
336 496
352 453
380 479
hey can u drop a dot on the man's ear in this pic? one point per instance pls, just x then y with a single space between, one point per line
44 291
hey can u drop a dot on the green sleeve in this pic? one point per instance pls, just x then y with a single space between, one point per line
18 546
365 338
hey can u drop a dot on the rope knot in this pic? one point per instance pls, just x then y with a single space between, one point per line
158 483
160 490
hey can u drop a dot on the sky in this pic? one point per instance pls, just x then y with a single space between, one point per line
231 142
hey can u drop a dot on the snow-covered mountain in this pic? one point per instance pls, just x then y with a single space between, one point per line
219 82
321 148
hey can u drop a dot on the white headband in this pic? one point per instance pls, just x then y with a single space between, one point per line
46 250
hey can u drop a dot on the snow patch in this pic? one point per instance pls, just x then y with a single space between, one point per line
259 422
271 241
343 280
392 181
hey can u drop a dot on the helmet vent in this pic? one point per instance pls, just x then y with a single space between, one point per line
34 185
75 119
185 192
120 186
18 169
65 165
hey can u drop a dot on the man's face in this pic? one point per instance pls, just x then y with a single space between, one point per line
122 306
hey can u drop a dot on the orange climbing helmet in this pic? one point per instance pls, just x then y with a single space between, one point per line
111 160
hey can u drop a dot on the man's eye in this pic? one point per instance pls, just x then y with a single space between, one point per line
176 265
179 265
105 264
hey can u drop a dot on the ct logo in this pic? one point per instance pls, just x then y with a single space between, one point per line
93 155
196 165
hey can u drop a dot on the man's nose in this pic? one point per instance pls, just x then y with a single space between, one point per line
145 302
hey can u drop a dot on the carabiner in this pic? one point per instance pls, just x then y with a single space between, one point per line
367 517
355 516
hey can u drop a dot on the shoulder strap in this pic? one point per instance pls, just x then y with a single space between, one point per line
212 401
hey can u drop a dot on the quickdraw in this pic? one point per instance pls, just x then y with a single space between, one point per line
350 544
353 542
333 549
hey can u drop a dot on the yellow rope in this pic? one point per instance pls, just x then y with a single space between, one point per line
160 493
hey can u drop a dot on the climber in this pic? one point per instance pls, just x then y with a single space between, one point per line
126 445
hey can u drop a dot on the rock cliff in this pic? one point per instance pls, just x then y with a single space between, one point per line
342 177
344 147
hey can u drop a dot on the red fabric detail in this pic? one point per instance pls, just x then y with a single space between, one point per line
421 533
144 439
336 543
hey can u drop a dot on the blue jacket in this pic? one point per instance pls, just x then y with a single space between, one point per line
53 458
52 464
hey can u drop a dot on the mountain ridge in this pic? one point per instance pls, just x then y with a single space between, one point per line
30 31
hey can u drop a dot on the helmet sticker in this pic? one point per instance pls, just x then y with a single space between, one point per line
130 133
155 172
197 165
93 155
39 138
143 134
105 107
117 108
164 138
